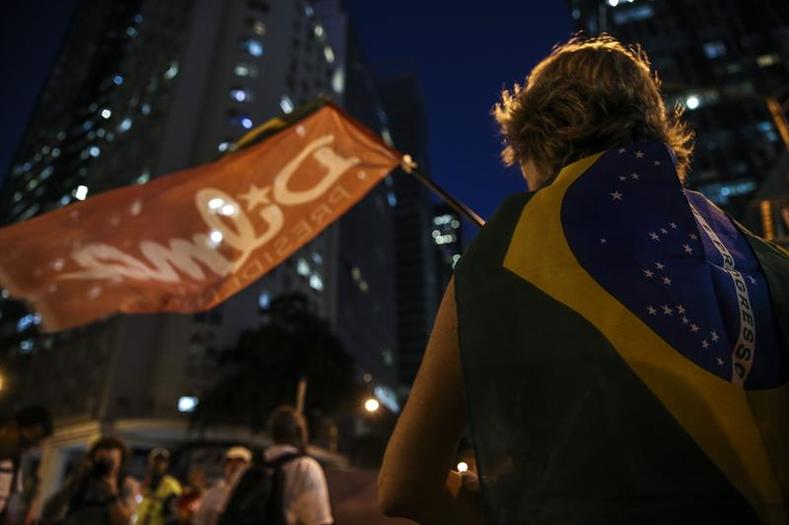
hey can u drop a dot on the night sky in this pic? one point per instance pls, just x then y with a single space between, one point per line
463 57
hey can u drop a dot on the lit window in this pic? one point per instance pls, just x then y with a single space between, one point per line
252 46
714 49
81 192
338 80
316 283
264 300
258 27
302 267
187 404
240 95
245 121
245 70
286 104
106 113
125 125
117 80
633 15
767 60
329 54
26 321
172 71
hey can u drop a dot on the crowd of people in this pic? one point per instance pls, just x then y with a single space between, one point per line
283 485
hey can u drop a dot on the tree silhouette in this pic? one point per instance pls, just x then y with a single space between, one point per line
263 369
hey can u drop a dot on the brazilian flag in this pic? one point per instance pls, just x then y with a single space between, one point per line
624 351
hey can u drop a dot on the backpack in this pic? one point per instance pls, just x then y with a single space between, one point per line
258 497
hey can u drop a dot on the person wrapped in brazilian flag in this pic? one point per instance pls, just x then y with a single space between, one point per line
616 345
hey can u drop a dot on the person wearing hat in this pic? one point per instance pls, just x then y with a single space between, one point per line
160 491
237 460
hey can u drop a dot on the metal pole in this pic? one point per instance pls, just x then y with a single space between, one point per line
410 167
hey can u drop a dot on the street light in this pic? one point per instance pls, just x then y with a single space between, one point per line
372 405
462 466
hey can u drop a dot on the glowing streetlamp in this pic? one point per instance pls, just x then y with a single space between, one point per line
372 405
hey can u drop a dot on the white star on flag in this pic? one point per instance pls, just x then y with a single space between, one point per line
659 266
694 236
666 309
681 309
622 178
621 150
656 163
648 273
255 196
616 196
685 320
664 231
714 335
705 344
603 240
654 236
651 310
750 278
673 225
639 154
720 362
688 249
694 328
666 281
634 176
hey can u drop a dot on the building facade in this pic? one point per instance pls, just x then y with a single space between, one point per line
727 63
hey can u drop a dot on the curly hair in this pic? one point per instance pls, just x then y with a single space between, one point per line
588 95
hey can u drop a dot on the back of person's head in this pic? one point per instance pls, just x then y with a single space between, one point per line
109 443
287 427
35 416
588 95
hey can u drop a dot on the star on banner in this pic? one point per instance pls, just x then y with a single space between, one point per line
616 196
622 178
621 150
714 336
634 176
651 310
639 154
705 344
681 309
666 281
667 309
694 237
720 362
648 273
673 225
694 328
603 240
685 320
656 163
750 278
659 266
687 248
256 196
664 231
654 236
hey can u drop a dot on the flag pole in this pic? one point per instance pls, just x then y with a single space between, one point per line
409 166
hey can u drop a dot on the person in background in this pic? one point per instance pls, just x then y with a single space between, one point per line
237 459
189 500
29 427
305 492
98 493
160 491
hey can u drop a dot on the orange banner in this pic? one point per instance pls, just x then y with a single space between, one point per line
187 241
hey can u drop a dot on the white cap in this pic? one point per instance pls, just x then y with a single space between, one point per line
241 453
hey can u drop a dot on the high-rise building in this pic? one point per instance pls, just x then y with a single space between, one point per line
145 88
417 281
724 60
447 234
